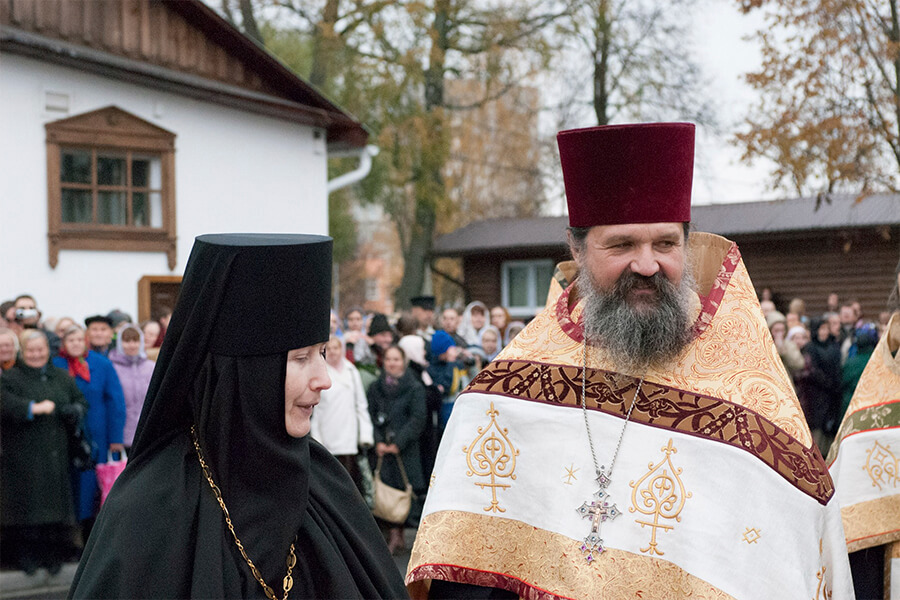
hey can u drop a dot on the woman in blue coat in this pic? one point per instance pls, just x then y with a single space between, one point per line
105 420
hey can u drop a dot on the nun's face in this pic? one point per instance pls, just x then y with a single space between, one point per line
304 380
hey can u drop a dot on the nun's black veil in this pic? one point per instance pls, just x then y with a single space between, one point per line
246 300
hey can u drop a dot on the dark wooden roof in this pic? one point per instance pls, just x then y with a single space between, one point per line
738 219
797 214
181 46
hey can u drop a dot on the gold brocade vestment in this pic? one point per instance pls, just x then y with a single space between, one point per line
717 480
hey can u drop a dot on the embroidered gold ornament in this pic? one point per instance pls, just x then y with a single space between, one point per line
288 582
882 466
662 496
493 455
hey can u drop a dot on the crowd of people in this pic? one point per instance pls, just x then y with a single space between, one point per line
393 385
394 382
824 354
71 398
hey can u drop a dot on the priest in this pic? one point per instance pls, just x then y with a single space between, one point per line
640 438
864 461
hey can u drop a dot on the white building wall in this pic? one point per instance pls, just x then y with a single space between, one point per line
234 171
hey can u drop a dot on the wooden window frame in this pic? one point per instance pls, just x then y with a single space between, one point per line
532 265
110 129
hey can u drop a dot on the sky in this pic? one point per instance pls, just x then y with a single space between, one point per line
725 56
720 49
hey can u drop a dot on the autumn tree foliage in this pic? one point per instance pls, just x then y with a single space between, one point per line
829 108
397 66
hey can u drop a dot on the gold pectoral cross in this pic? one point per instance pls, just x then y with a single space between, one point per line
597 511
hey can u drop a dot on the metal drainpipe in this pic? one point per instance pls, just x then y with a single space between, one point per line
358 174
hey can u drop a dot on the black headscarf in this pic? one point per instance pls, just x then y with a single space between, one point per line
246 300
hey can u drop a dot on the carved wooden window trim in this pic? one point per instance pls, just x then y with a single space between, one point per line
110 129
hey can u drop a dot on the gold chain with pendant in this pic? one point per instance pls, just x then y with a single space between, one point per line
291 559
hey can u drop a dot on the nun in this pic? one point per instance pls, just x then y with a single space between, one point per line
225 494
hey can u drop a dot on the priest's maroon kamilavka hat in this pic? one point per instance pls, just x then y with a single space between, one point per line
618 174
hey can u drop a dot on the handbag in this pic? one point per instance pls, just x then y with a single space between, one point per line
392 505
108 472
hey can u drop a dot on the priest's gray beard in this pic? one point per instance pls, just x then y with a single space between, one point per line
640 335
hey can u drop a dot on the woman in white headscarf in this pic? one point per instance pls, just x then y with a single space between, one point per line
474 322
512 330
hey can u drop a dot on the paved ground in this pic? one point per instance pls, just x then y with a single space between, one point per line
16 585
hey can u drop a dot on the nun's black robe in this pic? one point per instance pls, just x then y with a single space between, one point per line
245 301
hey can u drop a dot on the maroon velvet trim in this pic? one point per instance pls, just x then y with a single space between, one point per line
667 408
469 576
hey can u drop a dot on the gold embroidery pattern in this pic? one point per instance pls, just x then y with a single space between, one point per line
709 418
871 523
882 466
752 535
495 551
662 496
493 455
822 590
570 474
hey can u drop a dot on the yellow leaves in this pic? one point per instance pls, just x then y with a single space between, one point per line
829 104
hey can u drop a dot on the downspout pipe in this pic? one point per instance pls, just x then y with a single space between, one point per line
359 173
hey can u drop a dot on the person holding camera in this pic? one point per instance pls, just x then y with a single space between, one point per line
27 316
41 404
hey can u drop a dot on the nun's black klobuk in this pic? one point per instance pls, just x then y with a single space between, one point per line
245 301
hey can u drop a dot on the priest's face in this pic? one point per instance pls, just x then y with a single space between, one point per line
304 380
636 290
644 249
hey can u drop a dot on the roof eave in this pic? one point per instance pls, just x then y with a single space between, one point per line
342 131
